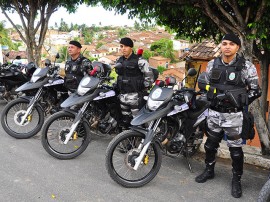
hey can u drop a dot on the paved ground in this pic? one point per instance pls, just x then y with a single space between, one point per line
28 173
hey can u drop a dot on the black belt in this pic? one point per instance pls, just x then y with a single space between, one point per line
226 109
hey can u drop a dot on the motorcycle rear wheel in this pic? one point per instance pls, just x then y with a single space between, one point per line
120 155
11 117
264 194
53 136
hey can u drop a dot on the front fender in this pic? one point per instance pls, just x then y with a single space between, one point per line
149 134
28 98
71 111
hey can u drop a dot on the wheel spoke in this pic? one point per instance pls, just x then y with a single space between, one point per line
56 132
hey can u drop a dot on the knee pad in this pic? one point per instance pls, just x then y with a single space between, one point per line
214 136
211 145
236 153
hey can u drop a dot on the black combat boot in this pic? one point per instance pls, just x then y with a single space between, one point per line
236 186
237 156
208 173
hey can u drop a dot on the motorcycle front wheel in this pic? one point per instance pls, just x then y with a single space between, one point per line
264 194
12 115
54 134
120 160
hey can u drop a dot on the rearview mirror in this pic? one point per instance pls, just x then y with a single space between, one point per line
192 72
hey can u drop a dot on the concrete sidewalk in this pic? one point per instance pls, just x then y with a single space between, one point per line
252 154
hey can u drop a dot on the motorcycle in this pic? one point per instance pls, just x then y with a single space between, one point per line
24 116
172 122
11 77
92 109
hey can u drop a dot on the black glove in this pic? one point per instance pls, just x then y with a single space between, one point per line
211 93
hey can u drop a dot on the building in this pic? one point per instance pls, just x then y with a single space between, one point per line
158 61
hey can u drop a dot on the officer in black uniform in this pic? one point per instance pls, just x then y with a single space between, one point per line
232 84
76 66
134 77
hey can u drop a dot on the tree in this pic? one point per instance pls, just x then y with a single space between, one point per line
34 17
163 47
137 25
122 32
147 54
4 38
63 53
198 19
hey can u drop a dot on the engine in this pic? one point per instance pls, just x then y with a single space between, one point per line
176 144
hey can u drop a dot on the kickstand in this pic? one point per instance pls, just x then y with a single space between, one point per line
188 162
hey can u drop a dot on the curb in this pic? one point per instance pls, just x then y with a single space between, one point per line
252 155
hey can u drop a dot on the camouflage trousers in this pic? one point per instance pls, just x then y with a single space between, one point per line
229 124
129 103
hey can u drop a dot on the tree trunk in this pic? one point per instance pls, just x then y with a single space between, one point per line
256 107
261 127
264 84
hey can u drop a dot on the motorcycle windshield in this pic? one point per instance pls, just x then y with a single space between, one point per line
159 97
144 115
87 83
39 73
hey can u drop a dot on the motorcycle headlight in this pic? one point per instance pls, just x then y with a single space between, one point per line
153 104
81 90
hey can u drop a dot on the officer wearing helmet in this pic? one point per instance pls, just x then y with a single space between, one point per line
76 66
231 84
134 77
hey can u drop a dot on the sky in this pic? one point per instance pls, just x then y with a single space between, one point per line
84 15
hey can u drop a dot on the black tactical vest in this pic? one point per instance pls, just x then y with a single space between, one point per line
130 78
74 72
228 79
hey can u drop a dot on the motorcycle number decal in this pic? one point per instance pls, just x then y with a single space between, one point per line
156 94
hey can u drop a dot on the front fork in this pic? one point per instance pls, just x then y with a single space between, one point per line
31 105
77 120
146 142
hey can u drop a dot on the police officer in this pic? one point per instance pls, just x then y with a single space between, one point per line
134 76
76 66
232 83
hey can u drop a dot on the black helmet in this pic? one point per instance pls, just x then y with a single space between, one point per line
30 68
202 81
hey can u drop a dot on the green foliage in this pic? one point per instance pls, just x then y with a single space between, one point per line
161 69
99 44
122 32
114 75
147 54
63 53
4 38
163 47
63 26
35 17
92 59
100 37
